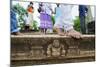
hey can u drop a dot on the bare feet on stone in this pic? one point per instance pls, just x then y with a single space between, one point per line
59 31
73 33
19 33
16 33
61 34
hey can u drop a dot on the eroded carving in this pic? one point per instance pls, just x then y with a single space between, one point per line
55 49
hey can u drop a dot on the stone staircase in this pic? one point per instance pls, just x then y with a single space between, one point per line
51 49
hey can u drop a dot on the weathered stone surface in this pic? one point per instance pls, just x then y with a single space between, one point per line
45 49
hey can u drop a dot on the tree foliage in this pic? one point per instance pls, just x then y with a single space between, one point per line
77 24
20 11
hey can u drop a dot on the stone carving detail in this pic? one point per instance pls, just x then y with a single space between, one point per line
55 49
73 50
36 51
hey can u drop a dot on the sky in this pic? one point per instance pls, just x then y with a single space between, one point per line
36 14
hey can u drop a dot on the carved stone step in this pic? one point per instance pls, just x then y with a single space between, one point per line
51 47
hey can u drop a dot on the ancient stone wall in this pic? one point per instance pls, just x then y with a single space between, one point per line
45 49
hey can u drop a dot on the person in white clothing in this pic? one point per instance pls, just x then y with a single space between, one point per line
64 26
30 11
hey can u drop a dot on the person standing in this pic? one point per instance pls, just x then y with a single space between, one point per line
14 23
66 23
82 16
30 11
45 11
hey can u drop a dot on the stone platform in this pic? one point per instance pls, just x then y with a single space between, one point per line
51 49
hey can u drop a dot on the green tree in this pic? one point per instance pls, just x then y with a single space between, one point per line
53 19
21 11
77 24
35 27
